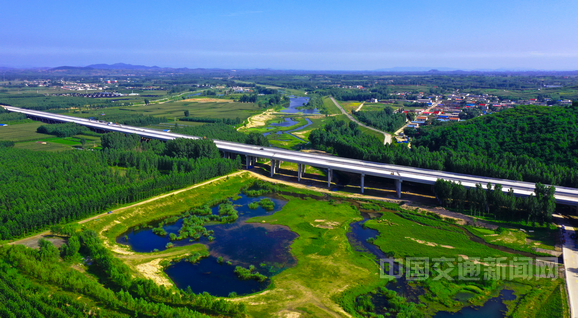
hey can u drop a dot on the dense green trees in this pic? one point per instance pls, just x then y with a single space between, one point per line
8 117
248 98
40 191
384 119
191 148
223 132
226 121
338 138
6 143
33 286
536 208
132 119
547 134
62 130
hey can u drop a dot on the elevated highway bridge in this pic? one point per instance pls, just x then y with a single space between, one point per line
563 195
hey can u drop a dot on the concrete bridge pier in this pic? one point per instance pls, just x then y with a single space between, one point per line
398 187
329 177
278 165
362 183
248 162
273 164
299 172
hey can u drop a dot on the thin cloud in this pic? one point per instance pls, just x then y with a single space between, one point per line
234 14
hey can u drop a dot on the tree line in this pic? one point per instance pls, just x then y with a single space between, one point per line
384 119
536 208
40 191
226 121
42 284
547 134
133 119
223 132
62 130
346 140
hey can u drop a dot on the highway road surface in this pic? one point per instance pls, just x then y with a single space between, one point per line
399 173
387 137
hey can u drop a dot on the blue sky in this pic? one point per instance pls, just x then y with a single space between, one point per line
315 35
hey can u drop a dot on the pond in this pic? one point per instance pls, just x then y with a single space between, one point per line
286 123
264 246
493 308
296 102
289 132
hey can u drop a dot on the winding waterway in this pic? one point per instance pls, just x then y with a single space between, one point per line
296 102
493 308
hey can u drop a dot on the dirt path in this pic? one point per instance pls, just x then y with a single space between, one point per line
359 108
386 136
463 219
259 119
40 235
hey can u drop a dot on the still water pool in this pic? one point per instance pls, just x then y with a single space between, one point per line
243 244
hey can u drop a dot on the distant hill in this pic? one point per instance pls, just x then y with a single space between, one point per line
121 66
416 69
69 68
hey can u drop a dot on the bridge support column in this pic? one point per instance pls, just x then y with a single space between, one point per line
224 155
248 162
299 172
277 165
398 187
302 170
272 167
329 177
362 183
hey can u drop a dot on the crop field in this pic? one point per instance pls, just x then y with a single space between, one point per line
22 132
176 109
349 106
375 106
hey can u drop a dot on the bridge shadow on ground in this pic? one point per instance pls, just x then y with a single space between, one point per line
350 183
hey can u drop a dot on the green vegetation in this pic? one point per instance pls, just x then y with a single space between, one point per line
44 282
62 130
546 134
227 212
225 121
249 273
384 120
132 119
346 140
222 132
84 183
267 204
536 208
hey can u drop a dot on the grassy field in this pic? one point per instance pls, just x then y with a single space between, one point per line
176 109
22 132
25 137
328 269
332 109
349 106
327 265
519 238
